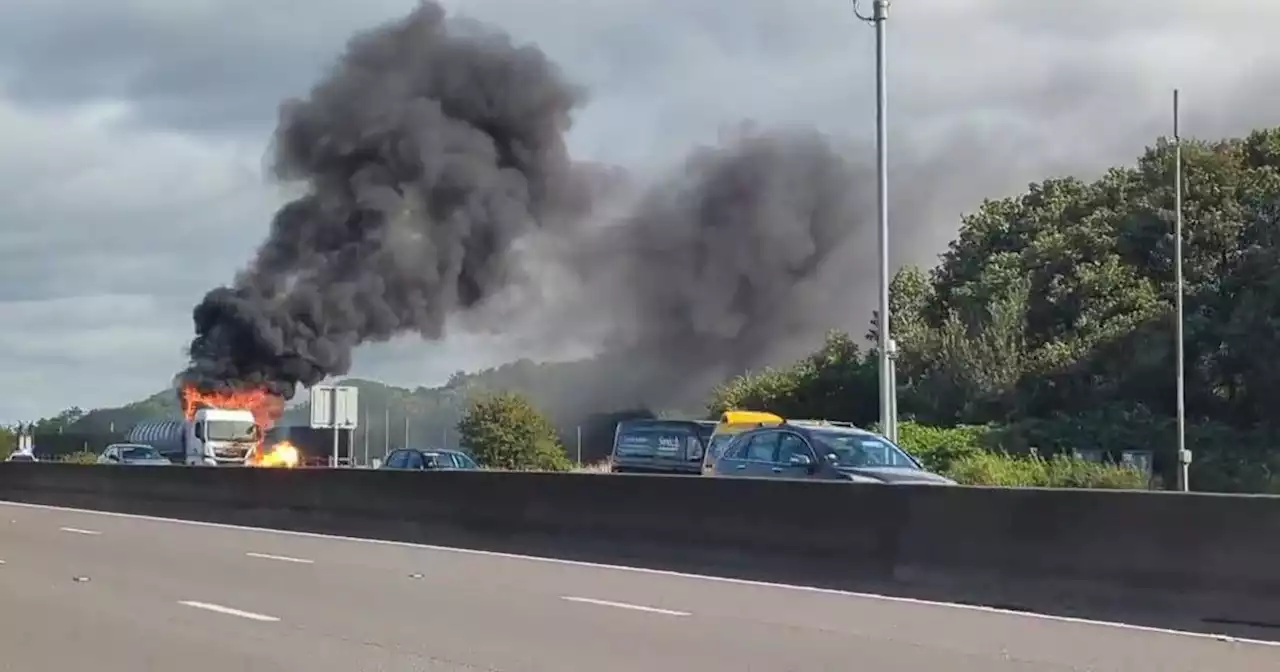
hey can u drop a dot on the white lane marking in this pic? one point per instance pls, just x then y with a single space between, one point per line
281 558
76 530
657 572
229 611
624 605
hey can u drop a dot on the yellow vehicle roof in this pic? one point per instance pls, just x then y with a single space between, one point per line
748 418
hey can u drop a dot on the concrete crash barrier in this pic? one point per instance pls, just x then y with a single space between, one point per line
1203 562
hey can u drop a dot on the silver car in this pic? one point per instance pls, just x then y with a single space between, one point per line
820 450
132 454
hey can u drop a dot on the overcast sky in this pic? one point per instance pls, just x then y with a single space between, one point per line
132 133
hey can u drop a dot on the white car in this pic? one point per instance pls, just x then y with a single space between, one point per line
21 457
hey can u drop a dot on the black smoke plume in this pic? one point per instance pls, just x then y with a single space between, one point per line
435 147
430 148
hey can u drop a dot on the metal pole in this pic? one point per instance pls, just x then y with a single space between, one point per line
386 432
879 18
406 430
335 445
1184 457
366 437
579 445
893 385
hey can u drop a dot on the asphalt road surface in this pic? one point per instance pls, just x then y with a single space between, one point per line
85 591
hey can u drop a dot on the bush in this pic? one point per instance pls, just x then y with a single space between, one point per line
1059 471
941 447
504 431
80 457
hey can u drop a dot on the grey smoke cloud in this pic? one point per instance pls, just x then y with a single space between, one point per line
722 262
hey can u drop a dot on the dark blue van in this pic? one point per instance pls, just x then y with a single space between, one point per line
656 446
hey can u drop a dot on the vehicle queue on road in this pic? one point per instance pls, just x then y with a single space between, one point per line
759 444
740 443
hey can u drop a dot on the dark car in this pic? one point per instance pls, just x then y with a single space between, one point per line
427 459
659 446
822 451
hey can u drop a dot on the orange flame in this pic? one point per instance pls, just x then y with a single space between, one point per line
266 409
283 454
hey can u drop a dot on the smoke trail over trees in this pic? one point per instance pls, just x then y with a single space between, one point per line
436 146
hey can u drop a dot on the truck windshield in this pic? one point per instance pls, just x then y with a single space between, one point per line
231 430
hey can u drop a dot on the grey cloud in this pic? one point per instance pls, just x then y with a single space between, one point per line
89 207
107 237
985 95
90 350
206 65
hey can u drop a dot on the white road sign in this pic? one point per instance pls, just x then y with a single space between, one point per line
335 407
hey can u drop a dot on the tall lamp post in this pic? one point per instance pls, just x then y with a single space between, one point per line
888 406
1184 455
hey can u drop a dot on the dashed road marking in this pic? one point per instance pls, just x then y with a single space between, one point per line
217 608
76 530
281 558
624 605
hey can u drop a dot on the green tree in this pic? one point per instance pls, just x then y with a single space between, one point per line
8 441
968 369
503 430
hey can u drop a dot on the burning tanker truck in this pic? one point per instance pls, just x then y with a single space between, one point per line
219 430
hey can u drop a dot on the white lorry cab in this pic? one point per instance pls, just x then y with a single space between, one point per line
213 437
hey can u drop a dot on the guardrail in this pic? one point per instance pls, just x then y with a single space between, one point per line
1195 558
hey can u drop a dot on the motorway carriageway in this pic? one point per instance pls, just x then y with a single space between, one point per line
112 593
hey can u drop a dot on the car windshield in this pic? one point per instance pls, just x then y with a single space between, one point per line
231 430
718 443
467 462
140 453
855 450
